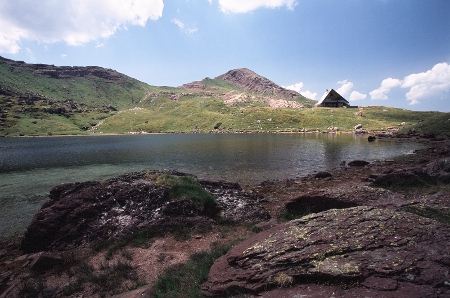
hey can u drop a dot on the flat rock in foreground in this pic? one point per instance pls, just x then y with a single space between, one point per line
364 250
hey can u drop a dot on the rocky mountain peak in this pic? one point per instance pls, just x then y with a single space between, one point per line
251 81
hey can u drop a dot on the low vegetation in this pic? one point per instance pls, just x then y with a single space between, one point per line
187 278
187 187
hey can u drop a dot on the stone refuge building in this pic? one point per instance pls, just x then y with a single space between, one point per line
332 99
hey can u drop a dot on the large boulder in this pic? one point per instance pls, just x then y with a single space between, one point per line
355 251
439 169
79 213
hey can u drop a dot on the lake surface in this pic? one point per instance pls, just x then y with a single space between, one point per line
30 167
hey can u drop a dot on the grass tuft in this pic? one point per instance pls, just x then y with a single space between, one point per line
186 187
184 280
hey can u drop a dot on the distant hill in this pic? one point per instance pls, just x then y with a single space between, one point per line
40 99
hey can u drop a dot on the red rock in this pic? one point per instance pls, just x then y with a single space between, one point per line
351 248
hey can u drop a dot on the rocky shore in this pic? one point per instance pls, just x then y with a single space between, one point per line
363 230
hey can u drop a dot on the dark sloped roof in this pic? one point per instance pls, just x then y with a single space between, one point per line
331 96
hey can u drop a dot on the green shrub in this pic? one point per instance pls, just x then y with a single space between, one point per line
186 187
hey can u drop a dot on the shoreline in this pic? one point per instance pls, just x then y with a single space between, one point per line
366 132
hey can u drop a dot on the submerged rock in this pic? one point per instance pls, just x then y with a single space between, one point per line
361 249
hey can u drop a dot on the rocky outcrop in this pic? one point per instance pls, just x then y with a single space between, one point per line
194 86
346 197
79 213
67 72
234 203
250 81
439 169
355 252
435 206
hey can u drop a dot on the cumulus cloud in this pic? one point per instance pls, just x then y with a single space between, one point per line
345 88
72 21
239 6
309 94
434 83
295 87
181 25
386 86
355 95
298 86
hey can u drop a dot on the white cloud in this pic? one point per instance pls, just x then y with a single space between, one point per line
181 25
63 55
240 6
355 95
434 83
72 21
344 90
298 86
386 86
309 94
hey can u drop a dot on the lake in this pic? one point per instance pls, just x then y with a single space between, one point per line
30 167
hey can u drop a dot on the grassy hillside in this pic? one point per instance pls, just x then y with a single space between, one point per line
203 114
47 100
91 90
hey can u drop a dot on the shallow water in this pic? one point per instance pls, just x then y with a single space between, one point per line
30 167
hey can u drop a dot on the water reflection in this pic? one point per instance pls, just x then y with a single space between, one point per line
30 167
242 158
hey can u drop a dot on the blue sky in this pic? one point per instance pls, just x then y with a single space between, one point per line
374 52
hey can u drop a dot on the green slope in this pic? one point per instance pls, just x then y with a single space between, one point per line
94 90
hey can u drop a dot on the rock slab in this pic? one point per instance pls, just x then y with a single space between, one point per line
362 249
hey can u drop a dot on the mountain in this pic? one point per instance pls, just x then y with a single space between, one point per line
40 99
243 87
248 80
